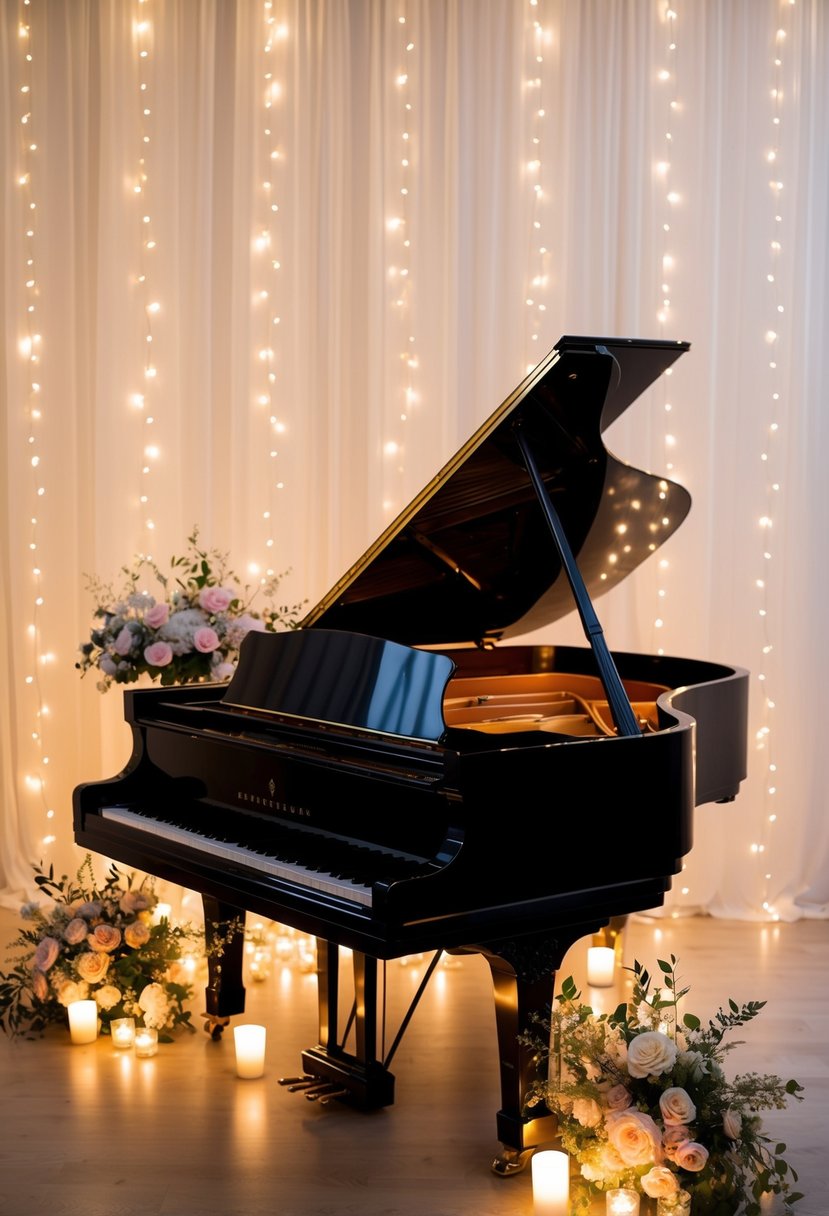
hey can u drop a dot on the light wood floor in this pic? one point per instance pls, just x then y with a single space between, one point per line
91 1132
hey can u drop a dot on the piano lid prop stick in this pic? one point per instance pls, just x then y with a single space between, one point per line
620 706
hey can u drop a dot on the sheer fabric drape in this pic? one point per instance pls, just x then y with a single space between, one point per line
451 186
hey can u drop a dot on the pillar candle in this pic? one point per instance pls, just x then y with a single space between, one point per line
600 963
551 1183
250 1051
83 1021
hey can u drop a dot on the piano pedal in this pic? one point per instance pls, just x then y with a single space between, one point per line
294 1080
320 1090
336 1093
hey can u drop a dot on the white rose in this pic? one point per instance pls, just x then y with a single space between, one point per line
107 996
153 1003
732 1123
660 1182
676 1106
588 1112
635 1137
650 1054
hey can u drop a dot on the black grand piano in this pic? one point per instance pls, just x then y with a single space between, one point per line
394 777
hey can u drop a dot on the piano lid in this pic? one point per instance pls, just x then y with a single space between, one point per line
471 559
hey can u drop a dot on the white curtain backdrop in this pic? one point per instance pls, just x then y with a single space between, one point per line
322 241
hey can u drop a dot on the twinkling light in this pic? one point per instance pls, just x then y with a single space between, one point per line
146 397
769 440
537 42
399 253
31 348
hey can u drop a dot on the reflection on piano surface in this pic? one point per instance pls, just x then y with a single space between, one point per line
392 778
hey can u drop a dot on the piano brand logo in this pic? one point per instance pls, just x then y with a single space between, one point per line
272 803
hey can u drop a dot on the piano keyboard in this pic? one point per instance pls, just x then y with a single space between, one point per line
374 863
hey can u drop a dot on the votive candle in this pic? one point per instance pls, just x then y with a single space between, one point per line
146 1041
250 1051
600 963
551 1183
123 1032
622 1201
83 1021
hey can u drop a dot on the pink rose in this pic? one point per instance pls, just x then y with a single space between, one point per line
134 901
635 1137
676 1107
136 935
158 655
104 938
40 986
92 967
673 1137
47 951
215 599
91 909
76 931
691 1156
660 1182
205 639
618 1098
157 616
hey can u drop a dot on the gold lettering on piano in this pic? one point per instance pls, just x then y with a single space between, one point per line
273 804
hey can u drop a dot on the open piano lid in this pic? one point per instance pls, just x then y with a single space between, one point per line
471 559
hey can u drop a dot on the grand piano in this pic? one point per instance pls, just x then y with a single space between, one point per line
397 776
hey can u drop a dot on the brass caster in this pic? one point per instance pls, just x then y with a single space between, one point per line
512 1161
214 1026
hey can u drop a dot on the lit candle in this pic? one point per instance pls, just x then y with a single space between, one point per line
161 912
250 1051
123 1032
83 1021
622 1201
600 963
551 1183
146 1041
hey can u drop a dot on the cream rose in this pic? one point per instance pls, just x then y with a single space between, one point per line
104 938
107 996
137 934
635 1137
732 1124
650 1054
691 1156
70 991
660 1182
676 1107
587 1111
48 949
92 966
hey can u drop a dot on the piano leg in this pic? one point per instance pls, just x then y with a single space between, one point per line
224 934
523 976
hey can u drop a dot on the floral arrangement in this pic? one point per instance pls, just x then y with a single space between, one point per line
190 630
99 943
642 1101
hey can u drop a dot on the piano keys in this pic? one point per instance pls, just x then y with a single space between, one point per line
398 776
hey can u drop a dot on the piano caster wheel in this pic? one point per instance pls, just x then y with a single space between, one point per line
512 1161
214 1026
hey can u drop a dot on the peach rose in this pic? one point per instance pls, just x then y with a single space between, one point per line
136 935
635 1137
660 1182
48 949
70 991
105 938
676 1107
587 1111
215 599
618 1098
157 616
691 1156
650 1054
158 655
206 640
76 931
93 967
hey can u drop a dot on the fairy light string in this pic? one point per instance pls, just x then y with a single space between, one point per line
399 257
761 845
537 39
267 255
31 349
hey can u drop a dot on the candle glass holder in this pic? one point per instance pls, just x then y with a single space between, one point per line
622 1201
146 1042
123 1032
674 1205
